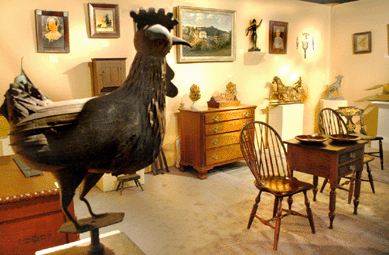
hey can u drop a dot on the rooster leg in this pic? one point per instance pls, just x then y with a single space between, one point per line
69 179
90 180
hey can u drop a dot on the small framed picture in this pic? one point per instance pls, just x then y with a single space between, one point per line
104 20
278 37
52 31
362 42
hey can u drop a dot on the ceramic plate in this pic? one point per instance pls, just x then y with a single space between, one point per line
345 138
311 138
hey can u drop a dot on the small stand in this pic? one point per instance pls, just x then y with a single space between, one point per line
93 224
287 120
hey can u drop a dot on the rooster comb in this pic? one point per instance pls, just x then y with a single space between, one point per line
151 17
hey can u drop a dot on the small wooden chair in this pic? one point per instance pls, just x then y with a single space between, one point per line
265 155
331 123
126 178
352 113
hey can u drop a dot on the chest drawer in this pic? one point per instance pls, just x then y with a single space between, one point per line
349 156
214 141
226 126
228 115
224 153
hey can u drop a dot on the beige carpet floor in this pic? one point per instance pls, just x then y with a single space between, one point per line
177 213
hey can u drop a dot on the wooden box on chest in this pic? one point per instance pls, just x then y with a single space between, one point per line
30 211
108 74
210 136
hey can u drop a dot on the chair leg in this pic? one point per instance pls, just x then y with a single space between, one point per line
309 213
370 177
290 202
278 223
381 154
254 210
275 207
324 184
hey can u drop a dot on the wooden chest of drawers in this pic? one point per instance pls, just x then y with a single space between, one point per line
210 136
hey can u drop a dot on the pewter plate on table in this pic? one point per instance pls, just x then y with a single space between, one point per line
311 138
345 138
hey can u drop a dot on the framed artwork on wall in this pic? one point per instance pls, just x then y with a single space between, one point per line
52 31
362 42
278 37
211 33
104 20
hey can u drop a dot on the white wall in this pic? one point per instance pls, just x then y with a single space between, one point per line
361 71
70 77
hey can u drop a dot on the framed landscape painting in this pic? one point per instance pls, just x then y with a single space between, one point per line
211 33
104 20
52 31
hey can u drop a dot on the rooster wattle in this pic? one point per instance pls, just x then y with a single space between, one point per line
118 133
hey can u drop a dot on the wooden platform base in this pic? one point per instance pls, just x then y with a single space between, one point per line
114 242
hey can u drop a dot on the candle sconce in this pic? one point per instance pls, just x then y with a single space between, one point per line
305 43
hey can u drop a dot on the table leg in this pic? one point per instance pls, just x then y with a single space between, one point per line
357 189
331 214
315 182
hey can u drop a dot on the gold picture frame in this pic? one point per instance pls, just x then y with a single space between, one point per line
362 42
52 31
211 33
387 26
104 20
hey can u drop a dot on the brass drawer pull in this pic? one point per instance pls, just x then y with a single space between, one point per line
215 129
353 167
353 155
246 114
215 118
215 157
215 141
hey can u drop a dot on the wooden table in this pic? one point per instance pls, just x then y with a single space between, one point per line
329 160
30 211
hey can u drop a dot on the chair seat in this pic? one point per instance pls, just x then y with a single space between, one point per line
369 137
367 158
282 186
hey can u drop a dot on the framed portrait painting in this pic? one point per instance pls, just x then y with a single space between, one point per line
211 33
104 20
278 37
52 31
362 42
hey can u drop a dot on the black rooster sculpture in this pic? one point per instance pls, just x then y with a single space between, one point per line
118 133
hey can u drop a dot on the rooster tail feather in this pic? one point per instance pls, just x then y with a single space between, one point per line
22 99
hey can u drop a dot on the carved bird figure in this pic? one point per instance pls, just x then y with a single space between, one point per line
118 133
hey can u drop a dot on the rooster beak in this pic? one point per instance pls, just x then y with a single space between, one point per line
177 41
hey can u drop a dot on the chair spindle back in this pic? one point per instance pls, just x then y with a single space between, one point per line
331 123
263 150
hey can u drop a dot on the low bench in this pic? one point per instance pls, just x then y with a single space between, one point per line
128 177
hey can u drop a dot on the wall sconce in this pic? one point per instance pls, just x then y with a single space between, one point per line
305 43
